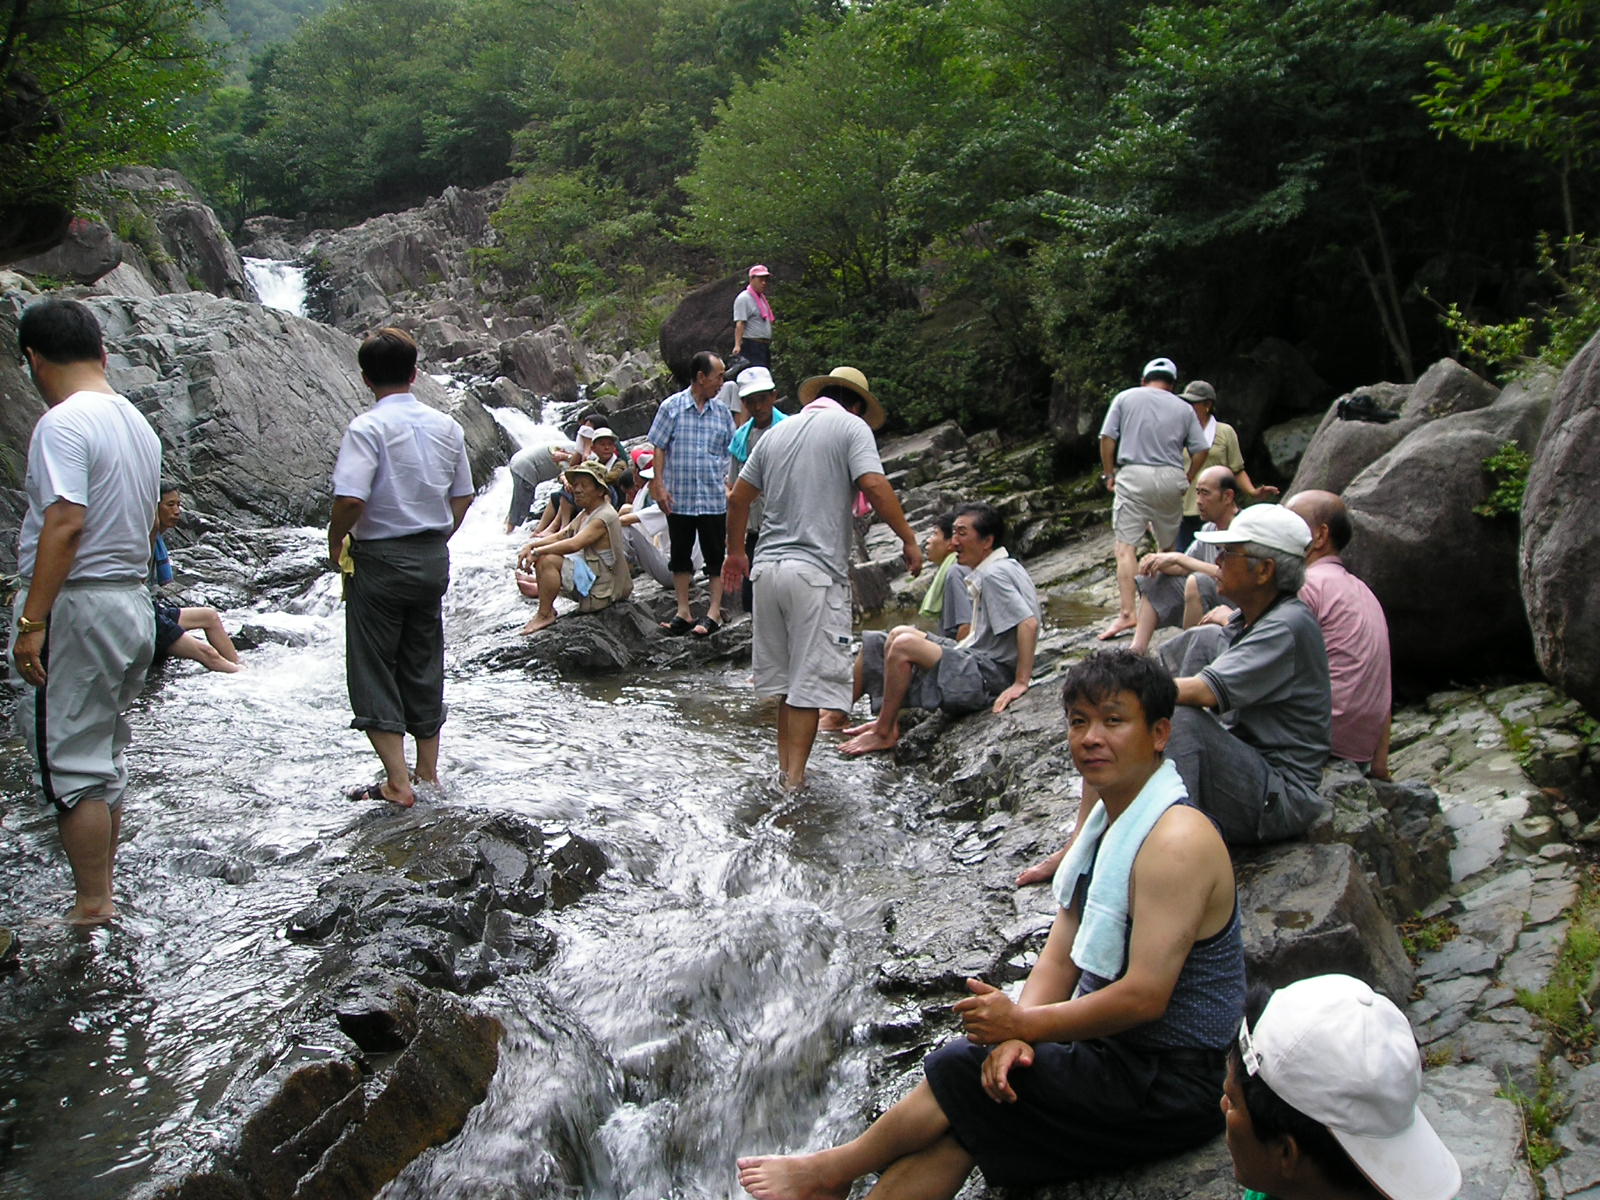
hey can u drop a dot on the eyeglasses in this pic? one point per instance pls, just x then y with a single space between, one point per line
1222 554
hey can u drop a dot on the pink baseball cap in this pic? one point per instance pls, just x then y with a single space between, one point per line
758 269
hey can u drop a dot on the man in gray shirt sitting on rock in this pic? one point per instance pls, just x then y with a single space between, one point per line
1255 707
991 667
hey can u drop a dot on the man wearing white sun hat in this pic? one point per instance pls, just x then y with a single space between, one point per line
1321 1099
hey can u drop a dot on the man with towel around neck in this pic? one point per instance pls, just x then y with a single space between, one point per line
1115 1052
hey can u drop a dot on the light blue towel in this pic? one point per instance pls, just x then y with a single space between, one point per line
582 574
1102 943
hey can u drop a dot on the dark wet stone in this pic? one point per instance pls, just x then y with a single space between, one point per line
252 637
378 1014
576 865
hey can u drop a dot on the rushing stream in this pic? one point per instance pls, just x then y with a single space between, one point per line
707 1000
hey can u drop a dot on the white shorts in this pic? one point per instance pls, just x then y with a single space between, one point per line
801 636
1150 497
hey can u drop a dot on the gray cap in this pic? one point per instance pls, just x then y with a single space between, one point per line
1199 392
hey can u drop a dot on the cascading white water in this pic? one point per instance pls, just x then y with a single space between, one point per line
280 284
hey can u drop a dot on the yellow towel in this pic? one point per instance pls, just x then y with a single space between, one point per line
347 566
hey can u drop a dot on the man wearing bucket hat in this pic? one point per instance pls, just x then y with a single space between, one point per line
586 561
808 470
1266 675
752 319
1321 1099
1142 442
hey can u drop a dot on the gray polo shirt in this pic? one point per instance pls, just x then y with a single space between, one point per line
755 325
1273 691
1152 427
1006 599
806 468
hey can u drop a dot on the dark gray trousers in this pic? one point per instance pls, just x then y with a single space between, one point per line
394 634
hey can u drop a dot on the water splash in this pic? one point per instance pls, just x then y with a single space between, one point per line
280 284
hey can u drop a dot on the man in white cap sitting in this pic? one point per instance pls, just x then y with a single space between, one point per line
1255 704
1142 441
1321 1099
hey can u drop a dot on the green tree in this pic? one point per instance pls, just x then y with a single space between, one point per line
1532 80
89 85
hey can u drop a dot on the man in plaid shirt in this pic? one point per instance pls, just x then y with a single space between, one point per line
691 434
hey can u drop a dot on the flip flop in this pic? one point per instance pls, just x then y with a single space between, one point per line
676 627
367 791
709 624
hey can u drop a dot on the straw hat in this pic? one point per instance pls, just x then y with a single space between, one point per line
853 379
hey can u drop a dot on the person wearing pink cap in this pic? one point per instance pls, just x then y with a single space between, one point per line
752 319
1321 1099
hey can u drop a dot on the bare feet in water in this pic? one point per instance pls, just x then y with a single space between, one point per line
788 1177
1117 628
1042 871
538 623
83 917
869 741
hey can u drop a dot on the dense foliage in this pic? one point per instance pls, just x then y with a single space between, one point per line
986 201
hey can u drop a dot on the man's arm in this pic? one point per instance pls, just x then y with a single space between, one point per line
880 494
1194 691
735 566
1174 562
1108 462
1197 463
458 511
57 551
658 485
347 511
738 335
1027 644
587 534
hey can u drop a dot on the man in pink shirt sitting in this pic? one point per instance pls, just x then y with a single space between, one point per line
1355 631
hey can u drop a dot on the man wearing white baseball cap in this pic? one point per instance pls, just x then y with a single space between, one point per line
1255 704
1321 1099
1142 441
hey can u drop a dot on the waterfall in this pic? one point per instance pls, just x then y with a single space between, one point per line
280 284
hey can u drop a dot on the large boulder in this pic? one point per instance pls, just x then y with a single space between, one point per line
702 321
542 362
1420 545
88 251
245 436
1560 557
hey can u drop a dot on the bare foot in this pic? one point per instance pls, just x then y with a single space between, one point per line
870 742
383 791
1042 871
788 1177
861 728
81 916
228 668
1117 628
832 721
538 623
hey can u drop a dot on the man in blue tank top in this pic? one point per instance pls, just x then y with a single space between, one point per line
1115 1051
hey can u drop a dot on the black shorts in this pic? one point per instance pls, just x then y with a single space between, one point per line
1083 1108
710 528
167 628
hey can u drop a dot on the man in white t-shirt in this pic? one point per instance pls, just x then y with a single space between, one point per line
401 486
83 629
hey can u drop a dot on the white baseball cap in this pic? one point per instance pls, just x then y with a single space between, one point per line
1345 1057
755 379
1159 366
1267 525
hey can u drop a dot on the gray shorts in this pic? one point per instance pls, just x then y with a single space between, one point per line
1165 594
101 639
801 635
962 682
1148 497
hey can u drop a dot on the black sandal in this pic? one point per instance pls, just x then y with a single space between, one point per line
677 627
707 627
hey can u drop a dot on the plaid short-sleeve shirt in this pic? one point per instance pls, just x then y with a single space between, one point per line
696 442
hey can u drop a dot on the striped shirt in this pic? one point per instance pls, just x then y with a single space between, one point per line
696 442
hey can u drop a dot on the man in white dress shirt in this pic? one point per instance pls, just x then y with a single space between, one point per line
401 487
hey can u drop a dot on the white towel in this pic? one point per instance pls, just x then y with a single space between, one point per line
1101 946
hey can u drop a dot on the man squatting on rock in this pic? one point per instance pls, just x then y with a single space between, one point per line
401 487
1267 673
690 433
1114 1054
991 667
808 469
1321 1099
1142 441
83 627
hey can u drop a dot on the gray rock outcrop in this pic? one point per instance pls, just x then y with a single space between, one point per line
88 251
1419 541
1560 552
251 403
703 320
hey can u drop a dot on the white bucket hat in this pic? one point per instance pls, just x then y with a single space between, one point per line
1345 1057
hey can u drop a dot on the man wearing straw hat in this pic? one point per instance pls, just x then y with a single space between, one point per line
808 470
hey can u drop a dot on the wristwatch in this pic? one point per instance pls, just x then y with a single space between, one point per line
26 626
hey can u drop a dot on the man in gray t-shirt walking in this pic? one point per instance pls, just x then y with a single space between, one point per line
1142 441
808 469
